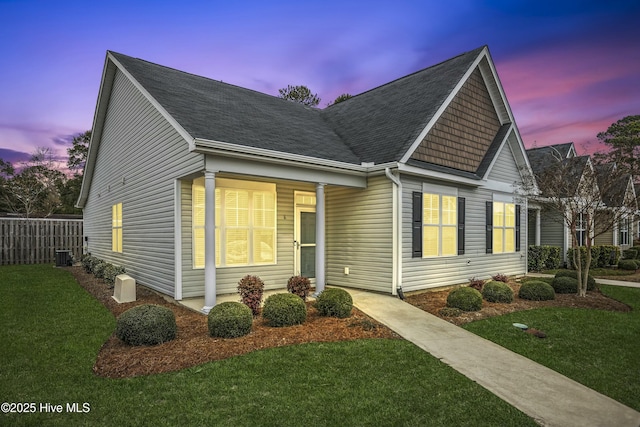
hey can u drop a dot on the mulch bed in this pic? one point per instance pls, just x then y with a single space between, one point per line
434 301
193 345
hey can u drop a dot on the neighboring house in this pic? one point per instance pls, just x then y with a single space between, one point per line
621 196
192 183
546 227
549 228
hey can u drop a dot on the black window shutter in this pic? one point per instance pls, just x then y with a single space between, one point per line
417 225
517 228
489 223
461 216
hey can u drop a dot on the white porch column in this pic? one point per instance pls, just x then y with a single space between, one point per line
209 241
537 227
320 224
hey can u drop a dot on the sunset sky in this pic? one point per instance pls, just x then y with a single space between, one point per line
569 68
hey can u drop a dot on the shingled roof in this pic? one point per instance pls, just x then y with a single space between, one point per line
376 126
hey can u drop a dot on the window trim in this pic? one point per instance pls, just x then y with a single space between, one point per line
623 230
223 185
490 226
440 225
116 228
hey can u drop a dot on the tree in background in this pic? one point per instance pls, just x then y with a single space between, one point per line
340 98
33 188
77 159
300 94
623 139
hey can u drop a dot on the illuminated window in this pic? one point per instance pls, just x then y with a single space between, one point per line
439 225
245 223
504 227
116 228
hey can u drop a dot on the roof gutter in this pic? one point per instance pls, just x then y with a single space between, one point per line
278 157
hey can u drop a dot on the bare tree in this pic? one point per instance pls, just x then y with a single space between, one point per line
590 201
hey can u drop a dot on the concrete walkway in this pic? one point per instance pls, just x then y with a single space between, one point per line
545 395
599 281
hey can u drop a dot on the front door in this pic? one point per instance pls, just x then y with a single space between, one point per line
305 241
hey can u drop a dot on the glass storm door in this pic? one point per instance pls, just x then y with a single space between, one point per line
305 244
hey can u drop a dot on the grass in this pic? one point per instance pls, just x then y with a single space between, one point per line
594 347
52 331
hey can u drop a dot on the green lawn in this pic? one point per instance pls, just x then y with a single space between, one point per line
600 349
52 331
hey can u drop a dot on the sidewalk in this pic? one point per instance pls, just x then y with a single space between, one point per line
545 395
599 281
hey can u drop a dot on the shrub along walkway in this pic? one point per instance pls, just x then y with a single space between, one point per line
599 281
545 395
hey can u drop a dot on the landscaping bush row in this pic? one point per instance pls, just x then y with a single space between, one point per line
101 269
469 298
151 324
544 258
601 256
230 320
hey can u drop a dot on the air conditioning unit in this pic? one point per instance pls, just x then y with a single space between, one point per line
124 289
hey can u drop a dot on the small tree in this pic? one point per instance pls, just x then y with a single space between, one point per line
300 94
572 191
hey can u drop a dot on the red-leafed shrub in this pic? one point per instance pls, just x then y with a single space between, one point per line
251 289
476 284
299 285
501 278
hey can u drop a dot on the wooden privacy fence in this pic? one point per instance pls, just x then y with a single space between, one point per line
36 240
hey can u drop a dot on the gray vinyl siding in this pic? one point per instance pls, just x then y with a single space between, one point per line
139 158
359 235
423 273
275 276
505 168
551 230
606 238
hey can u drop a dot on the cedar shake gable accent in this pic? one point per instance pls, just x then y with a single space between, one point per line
464 133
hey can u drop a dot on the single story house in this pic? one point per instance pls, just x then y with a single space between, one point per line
192 183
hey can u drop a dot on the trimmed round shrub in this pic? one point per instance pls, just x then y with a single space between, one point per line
284 310
87 262
591 282
497 291
99 269
536 290
565 285
466 299
627 264
334 302
111 271
299 285
146 324
230 320
251 289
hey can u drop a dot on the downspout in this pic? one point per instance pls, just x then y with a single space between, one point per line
396 285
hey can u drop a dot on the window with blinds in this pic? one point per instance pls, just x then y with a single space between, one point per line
245 223
439 225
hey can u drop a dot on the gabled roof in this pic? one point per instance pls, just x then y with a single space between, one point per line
211 110
540 156
382 126
616 192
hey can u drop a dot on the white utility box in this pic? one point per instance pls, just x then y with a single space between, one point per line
124 289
